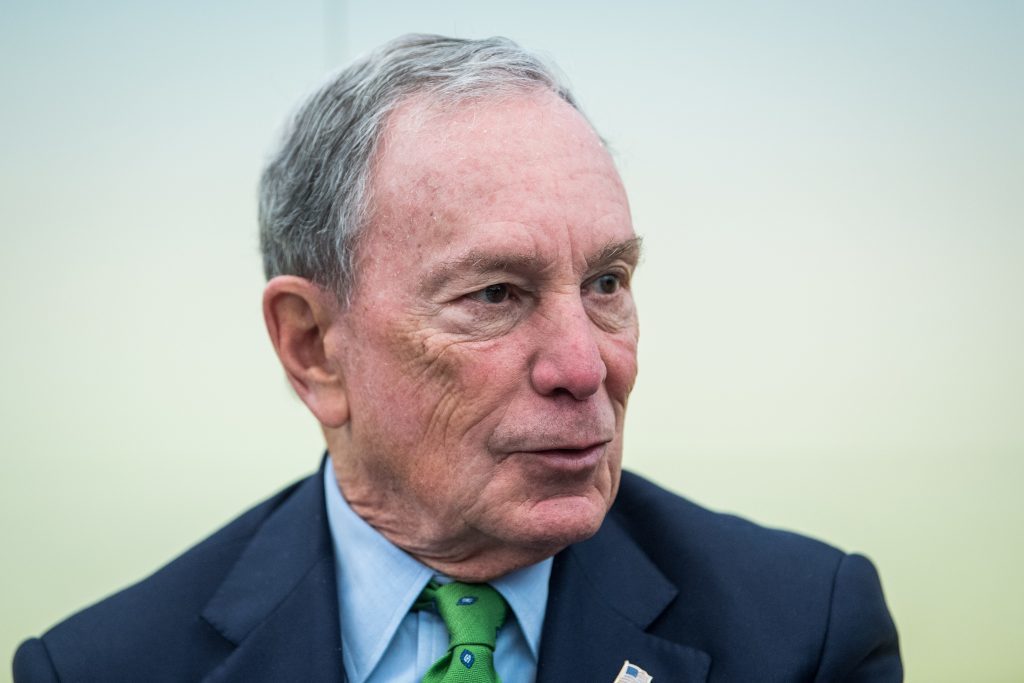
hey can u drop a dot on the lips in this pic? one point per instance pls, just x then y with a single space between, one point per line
565 459
556 441
548 445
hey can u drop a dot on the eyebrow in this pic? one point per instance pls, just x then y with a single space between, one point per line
477 262
628 251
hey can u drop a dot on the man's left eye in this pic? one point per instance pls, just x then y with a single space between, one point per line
493 294
609 283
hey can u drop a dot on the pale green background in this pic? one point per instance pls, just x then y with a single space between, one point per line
832 196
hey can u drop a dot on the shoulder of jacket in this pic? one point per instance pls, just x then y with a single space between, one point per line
159 612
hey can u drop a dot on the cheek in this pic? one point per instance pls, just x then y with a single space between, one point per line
619 354
481 379
436 390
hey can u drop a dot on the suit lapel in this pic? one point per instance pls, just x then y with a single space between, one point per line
604 593
279 603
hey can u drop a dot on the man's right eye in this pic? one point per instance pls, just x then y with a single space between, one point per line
493 294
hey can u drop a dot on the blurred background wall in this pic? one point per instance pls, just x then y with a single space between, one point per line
832 197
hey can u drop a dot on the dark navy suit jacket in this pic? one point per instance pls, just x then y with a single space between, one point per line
688 594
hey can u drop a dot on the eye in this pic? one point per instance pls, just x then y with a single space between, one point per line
493 294
609 283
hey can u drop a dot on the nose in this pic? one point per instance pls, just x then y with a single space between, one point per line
568 358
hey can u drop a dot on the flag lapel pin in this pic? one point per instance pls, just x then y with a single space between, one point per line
631 673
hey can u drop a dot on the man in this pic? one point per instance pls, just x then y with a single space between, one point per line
449 253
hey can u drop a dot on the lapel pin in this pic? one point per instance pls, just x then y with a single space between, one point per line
631 673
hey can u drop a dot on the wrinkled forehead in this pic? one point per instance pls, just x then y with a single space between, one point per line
426 140
520 149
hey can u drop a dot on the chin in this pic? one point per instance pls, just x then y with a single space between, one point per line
555 523
533 533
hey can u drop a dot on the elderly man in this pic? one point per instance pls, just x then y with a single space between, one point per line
449 253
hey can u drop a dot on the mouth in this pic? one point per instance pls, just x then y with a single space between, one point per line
567 459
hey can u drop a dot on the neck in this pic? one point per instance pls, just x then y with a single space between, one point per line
441 544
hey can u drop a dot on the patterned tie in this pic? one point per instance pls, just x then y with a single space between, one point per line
473 613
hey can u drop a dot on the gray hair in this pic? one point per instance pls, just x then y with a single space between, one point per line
315 192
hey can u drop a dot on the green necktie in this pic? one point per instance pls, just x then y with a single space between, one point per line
473 613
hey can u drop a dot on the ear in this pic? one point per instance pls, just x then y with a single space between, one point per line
299 315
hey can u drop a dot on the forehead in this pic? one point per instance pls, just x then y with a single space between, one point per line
421 131
524 172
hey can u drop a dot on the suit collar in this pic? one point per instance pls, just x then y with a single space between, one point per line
604 594
278 604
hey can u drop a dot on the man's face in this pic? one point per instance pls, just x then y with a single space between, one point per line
490 345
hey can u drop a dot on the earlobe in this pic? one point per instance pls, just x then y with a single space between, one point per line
299 314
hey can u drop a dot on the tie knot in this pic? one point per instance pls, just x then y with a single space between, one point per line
473 612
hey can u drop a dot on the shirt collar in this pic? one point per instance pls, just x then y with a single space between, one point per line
370 617
526 592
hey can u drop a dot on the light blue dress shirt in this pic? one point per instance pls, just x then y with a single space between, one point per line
382 640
